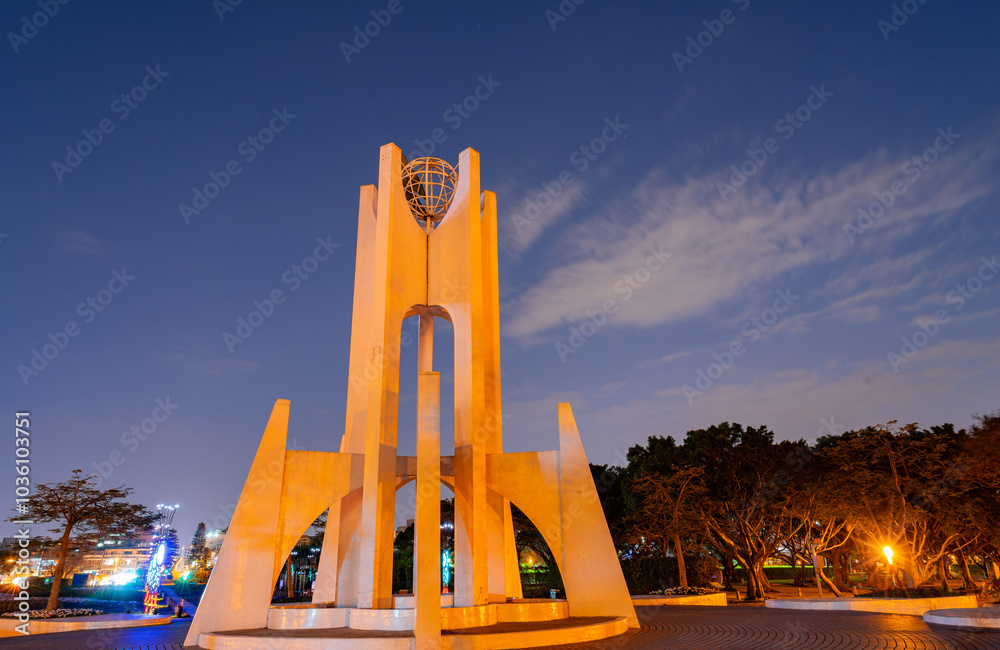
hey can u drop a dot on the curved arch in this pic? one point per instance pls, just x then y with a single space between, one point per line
308 496
531 482
434 310
448 482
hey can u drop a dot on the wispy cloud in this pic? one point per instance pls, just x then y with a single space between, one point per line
649 363
209 364
724 249
532 221
74 239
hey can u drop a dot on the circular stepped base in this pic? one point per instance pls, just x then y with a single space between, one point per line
500 635
401 619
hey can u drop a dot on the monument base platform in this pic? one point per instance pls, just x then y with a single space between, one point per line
499 635
306 617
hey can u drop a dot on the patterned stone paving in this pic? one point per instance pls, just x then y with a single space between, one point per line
683 628
759 628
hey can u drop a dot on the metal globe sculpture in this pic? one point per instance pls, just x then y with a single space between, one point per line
430 187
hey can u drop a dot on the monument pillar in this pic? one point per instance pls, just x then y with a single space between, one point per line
427 533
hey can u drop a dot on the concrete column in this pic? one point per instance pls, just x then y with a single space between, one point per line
427 534
591 573
399 282
425 344
512 564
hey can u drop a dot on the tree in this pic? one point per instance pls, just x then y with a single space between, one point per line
663 490
77 506
609 483
198 554
402 559
890 473
744 509
173 548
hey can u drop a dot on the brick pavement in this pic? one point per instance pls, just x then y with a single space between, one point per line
681 628
759 628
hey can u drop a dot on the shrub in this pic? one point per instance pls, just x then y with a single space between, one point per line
55 613
919 592
681 591
646 575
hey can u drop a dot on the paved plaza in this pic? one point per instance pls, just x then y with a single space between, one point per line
684 628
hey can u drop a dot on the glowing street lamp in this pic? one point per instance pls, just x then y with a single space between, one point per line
888 555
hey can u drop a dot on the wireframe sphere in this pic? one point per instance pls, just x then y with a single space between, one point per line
430 187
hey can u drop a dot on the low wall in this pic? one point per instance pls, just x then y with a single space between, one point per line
980 619
69 624
911 606
716 600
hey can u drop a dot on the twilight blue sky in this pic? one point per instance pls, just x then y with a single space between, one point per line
833 104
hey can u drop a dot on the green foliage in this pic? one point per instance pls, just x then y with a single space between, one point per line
644 575
919 592
402 560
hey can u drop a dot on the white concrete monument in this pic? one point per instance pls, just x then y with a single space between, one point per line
427 247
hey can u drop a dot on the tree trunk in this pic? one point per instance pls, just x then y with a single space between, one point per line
838 574
910 577
727 573
288 579
822 576
798 578
765 584
754 570
57 574
942 572
963 563
681 568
